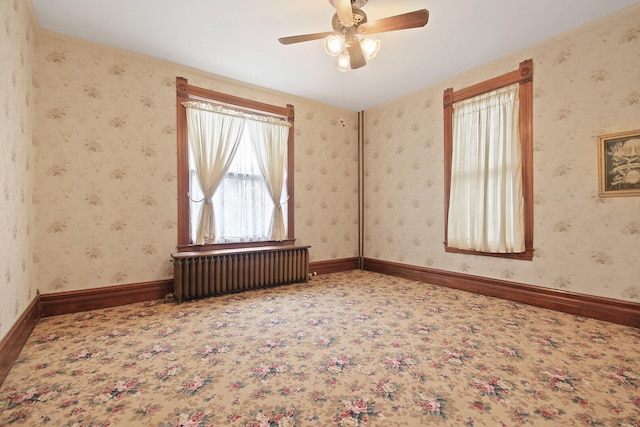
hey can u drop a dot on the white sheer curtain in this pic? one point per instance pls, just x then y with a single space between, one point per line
486 200
269 139
241 202
214 134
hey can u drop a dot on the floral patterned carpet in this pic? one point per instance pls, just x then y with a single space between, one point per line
346 349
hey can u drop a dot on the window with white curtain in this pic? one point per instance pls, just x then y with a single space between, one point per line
241 202
235 166
488 161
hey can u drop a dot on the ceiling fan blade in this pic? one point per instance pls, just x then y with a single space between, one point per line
304 37
416 19
344 11
355 53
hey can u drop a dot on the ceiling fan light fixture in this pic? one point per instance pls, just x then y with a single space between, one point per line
350 24
333 45
344 61
370 47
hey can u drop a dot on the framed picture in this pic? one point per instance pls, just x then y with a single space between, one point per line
619 164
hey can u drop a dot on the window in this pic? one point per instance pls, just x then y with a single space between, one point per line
242 204
240 153
488 166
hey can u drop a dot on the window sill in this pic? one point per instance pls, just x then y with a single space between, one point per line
527 255
212 250
234 246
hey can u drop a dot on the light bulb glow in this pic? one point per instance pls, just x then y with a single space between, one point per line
333 45
370 47
344 61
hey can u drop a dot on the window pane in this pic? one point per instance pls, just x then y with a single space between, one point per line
486 211
188 96
455 176
242 205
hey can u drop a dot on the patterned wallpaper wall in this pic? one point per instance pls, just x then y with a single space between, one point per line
105 190
96 187
17 278
586 83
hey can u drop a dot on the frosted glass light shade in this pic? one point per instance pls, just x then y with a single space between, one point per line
344 61
370 47
333 45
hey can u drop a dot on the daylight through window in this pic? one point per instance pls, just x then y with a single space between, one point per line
488 180
235 163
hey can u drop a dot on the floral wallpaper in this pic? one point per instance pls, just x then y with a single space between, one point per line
88 165
586 83
17 231
105 190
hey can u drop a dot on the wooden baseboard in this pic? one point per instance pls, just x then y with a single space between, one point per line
334 266
608 309
13 341
112 296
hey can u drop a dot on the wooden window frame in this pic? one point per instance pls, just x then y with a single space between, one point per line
524 77
186 92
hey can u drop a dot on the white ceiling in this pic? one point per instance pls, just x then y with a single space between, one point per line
238 39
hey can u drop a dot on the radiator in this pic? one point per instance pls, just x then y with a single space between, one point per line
219 272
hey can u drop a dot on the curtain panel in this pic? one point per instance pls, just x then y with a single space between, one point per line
214 135
269 140
486 208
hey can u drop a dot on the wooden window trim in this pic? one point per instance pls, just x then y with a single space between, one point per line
524 76
186 92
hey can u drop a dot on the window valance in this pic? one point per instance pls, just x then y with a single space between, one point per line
206 106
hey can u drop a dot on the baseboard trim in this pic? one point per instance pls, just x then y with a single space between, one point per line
13 341
96 298
334 265
113 296
608 309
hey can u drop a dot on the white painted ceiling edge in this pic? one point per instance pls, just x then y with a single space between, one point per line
239 39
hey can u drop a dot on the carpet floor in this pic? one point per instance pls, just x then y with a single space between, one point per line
344 349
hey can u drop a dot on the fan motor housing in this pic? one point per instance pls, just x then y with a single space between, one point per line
359 17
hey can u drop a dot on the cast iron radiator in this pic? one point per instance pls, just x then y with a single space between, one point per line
218 272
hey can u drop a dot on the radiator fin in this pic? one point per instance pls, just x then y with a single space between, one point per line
212 274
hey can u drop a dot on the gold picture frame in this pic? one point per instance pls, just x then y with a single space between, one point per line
619 164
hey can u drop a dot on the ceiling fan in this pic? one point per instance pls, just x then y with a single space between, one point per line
349 24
